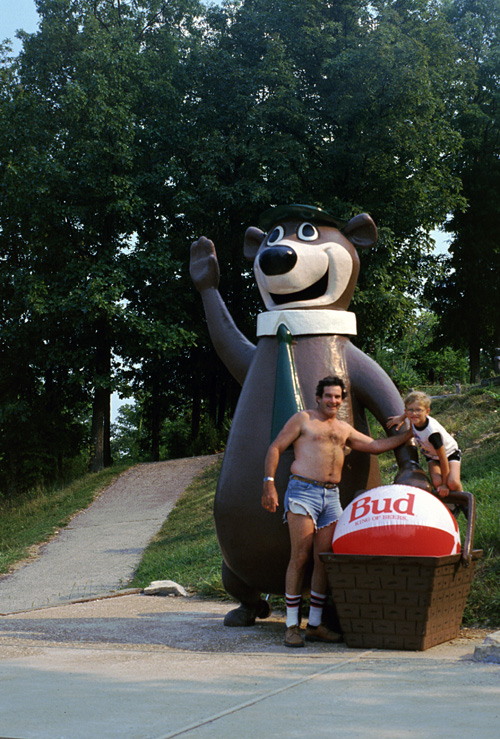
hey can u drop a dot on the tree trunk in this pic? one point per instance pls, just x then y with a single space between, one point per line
101 408
155 421
196 413
474 360
221 409
98 415
212 395
108 460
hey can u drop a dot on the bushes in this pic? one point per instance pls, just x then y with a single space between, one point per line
131 441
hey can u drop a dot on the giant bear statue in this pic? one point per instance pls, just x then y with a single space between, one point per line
306 267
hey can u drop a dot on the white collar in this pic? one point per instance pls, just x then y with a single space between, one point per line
307 322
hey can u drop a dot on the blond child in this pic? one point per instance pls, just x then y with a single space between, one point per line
438 446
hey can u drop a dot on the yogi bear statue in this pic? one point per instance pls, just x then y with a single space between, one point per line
306 266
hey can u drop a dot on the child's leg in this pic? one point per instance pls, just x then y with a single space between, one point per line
453 482
435 473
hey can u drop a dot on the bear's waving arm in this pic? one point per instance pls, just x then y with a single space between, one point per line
231 345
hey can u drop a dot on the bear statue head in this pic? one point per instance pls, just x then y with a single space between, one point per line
306 258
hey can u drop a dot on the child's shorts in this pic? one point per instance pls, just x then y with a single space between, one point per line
456 456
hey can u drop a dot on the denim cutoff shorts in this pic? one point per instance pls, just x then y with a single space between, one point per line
321 504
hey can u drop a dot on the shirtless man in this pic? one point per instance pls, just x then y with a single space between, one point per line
312 502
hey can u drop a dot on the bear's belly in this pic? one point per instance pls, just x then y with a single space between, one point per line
255 543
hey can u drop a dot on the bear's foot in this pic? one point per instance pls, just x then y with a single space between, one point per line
246 615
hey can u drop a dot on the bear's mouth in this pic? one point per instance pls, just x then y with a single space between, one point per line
316 290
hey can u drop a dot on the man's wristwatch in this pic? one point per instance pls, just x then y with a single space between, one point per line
268 479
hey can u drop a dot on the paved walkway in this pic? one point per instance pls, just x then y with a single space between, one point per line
139 667
101 547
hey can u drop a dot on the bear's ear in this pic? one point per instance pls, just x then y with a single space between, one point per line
253 239
361 231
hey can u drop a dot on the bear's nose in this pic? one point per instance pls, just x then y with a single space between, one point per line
277 260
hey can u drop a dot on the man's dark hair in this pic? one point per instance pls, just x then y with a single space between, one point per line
331 380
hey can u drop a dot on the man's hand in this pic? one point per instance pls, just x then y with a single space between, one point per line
270 497
396 421
203 265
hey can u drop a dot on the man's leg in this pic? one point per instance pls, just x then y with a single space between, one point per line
322 543
301 528
316 631
319 581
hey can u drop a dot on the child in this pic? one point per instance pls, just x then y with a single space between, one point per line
439 448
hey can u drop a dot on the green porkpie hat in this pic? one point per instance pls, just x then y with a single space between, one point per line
299 212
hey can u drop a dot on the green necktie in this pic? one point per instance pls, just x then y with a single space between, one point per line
287 395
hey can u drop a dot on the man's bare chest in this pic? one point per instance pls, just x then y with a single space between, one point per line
323 433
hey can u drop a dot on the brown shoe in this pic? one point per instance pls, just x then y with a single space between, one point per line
293 637
322 633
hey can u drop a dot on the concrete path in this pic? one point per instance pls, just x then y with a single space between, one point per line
101 547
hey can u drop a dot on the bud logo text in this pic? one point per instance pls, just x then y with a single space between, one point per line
367 505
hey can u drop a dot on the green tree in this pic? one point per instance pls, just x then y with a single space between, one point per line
414 360
76 189
141 126
42 406
467 298
345 105
159 298
82 67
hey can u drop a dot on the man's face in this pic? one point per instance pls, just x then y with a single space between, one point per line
330 401
417 413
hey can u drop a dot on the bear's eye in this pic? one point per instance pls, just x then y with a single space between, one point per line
276 235
307 232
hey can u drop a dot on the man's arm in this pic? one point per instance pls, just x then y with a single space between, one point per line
288 434
362 443
376 392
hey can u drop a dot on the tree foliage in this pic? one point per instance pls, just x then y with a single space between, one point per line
338 104
468 295
73 202
128 129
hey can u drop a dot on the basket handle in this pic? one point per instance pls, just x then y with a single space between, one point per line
465 500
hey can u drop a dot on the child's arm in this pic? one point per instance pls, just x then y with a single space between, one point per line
396 421
443 489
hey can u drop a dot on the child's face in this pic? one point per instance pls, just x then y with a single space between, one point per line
417 413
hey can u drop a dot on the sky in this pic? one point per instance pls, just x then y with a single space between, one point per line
15 15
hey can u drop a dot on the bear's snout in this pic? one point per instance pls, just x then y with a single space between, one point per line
277 260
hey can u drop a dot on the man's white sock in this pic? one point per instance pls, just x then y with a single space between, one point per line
316 609
292 609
